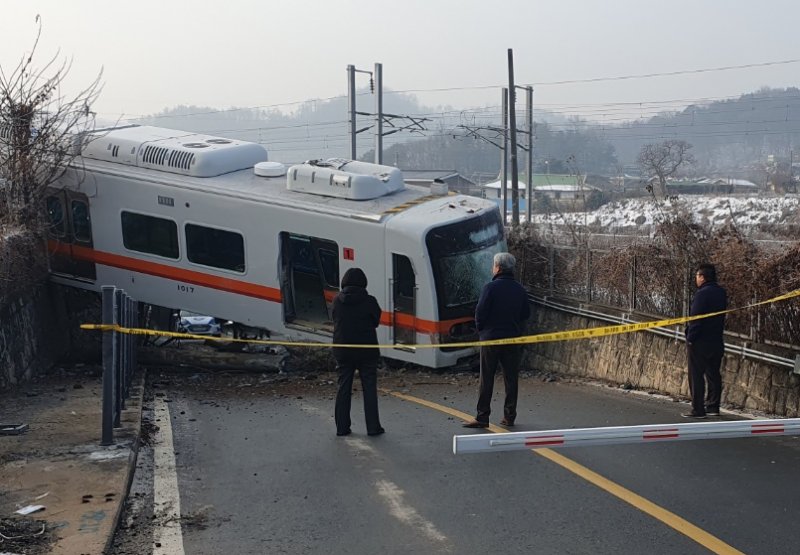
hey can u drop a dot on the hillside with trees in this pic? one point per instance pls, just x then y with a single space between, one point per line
726 135
733 137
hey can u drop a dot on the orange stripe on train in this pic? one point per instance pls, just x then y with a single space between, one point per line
230 285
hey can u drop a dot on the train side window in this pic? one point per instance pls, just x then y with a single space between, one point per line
55 215
150 234
215 247
81 225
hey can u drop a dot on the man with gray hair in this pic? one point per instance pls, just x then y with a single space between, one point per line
501 312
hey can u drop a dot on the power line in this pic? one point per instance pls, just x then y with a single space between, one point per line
668 73
479 87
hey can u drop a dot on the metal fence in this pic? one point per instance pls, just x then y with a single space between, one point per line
647 282
119 357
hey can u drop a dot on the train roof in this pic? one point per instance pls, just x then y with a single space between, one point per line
232 168
246 185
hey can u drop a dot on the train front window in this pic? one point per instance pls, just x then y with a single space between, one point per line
461 256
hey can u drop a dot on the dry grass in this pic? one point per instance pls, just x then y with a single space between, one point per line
657 276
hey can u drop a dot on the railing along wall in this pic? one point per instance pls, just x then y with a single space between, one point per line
119 357
653 286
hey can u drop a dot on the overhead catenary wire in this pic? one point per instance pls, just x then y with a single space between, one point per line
465 88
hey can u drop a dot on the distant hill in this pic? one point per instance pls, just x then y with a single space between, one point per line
731 137
320 128
726 135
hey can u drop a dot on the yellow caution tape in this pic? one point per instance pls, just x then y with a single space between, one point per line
588 333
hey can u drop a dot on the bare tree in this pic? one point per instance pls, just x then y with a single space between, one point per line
663 160
41 131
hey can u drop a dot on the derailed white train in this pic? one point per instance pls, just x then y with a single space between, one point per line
206 224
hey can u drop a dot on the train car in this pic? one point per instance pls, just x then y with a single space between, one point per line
210 225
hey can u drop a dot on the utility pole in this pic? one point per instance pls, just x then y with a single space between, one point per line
513 121
529 108
413 124
504 155
379 113
351 97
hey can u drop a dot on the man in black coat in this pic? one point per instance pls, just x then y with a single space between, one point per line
705 345
356 315
501 312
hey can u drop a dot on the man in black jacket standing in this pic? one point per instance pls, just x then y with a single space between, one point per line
356 315
501 312
705 345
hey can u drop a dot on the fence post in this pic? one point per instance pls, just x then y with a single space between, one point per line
108 366
588 274
632 299
118 403
134 357
551 267
126 341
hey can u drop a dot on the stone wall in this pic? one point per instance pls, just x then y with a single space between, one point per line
651 362
41 327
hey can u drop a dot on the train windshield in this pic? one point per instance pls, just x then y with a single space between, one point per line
461 256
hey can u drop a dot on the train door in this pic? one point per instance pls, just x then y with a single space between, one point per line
404 300
309 280
70 234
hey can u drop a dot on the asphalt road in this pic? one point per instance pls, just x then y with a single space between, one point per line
260 470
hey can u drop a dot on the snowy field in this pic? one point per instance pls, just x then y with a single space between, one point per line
630 214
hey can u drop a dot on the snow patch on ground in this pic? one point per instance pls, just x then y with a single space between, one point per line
715 210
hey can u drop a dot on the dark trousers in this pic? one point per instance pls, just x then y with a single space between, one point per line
368 372
507 356
704 363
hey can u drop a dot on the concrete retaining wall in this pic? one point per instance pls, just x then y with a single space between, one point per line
651 362
42 327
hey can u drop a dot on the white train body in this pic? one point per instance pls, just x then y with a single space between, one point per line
206 224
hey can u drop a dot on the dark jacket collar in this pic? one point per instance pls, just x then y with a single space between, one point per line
503 275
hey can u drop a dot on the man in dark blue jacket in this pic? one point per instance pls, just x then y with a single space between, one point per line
704 343
501 312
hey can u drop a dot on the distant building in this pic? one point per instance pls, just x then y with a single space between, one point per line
455 182
707 186
560 188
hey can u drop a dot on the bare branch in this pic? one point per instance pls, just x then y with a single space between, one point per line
39 128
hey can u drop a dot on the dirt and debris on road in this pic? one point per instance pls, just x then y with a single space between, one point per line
25 536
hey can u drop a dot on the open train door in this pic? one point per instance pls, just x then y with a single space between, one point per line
404 301
69 244
309 280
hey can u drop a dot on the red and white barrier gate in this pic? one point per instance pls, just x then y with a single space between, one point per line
653 433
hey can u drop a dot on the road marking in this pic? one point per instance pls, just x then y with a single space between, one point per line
389 492
672 520
405 513
166 496
358 445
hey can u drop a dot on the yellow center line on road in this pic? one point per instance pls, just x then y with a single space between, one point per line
681 525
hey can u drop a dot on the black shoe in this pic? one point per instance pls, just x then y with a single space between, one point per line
344 433
693 415
507 422
377 432
712 412
475 424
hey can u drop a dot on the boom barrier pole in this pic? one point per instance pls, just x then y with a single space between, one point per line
615 435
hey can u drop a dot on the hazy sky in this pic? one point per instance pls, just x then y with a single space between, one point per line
158 54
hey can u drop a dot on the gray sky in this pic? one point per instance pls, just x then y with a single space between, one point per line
158 54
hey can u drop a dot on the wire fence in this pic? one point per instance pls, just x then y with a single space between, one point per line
657 280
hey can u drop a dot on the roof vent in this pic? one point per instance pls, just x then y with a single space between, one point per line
337 177
269 169
173 151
